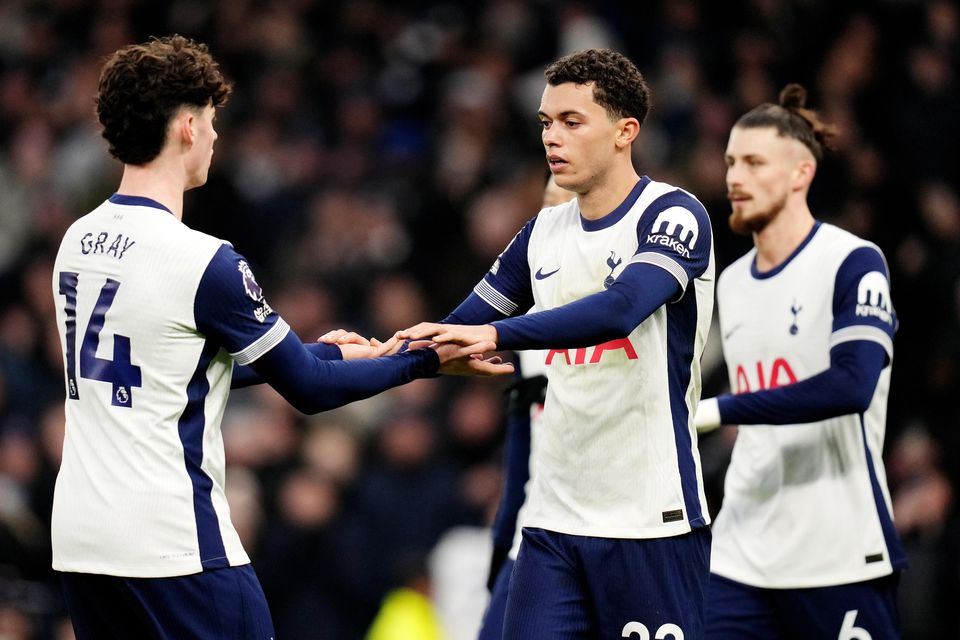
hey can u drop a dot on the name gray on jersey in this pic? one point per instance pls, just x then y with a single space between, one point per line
118 246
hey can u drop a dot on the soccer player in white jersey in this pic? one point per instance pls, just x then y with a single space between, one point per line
153 318
804 544
615 536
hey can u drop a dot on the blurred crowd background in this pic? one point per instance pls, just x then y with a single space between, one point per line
374 159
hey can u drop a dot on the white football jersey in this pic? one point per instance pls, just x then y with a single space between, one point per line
806 505
615 451
148 366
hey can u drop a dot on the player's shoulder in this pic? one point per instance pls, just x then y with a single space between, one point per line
658 195
834 240
556 217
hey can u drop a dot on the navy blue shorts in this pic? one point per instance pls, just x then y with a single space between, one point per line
492 626
224 604
858 611
570 587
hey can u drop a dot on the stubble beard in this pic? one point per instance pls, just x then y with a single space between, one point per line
756 222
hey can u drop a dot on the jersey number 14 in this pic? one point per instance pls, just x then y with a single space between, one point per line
119 372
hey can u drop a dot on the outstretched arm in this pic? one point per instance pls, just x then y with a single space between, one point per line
845 387
245 376
639 291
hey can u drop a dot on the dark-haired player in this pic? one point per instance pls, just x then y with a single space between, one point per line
804 544
153 317
615 537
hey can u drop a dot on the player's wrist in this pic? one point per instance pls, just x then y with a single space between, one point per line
707 417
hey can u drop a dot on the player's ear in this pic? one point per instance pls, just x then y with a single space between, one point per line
185 127
803 174
627 131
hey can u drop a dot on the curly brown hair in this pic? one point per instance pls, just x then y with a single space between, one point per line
618 86
792 119
142 86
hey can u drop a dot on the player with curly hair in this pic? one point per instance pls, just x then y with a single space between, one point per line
615 541
154 319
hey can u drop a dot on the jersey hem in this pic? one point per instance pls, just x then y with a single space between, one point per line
802 583
645 533
140 572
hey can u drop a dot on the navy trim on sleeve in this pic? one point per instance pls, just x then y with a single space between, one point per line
506 287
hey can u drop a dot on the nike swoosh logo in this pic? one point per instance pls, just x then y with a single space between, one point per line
727 335
540 275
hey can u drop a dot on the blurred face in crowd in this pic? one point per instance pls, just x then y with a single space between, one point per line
764 172
578 136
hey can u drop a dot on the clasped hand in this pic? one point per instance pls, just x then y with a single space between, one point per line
459 356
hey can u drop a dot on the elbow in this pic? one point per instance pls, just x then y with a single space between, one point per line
306 406
857 394
622 315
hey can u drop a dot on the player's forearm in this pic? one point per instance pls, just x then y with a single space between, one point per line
608 315
846 387
245 376
313 384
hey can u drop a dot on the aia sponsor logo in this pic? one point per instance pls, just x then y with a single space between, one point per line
591 355
770 376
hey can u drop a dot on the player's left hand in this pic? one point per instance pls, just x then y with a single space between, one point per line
462 334
456 360
353 346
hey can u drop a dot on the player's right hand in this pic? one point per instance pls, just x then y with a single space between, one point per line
469 361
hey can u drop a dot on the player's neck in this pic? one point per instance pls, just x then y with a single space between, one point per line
159 181
608 193
779 239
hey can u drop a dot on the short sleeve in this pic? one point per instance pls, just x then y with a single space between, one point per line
230 308
862 307
675 235
506 287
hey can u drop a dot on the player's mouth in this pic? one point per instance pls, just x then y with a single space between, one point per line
737 197
556 163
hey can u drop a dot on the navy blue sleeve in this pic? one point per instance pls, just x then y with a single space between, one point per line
675 235
862 307
473 310
313 384
506 287
613 313
245 376
845 387
230 310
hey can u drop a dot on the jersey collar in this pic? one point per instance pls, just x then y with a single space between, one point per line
617 214
137 201
762 275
